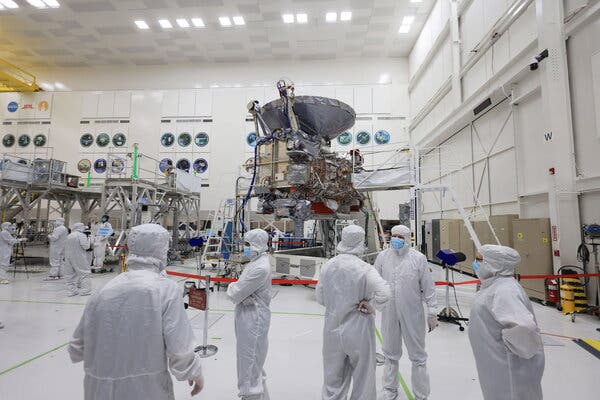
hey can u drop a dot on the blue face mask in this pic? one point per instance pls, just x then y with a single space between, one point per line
397 243
247 252
476 265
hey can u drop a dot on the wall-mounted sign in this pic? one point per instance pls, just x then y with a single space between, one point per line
382 137
119 140
184 139
251 139
39 140
84 166
86 140
103 140
201 139
12 107
363 137
345 138
200 165
167 139
183 164
117 165
24 140
8 140
165 163
100 166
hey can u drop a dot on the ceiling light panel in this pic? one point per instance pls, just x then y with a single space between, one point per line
345 15
9 4
52 3
198 22
404 29
331 17
239 20
165 23
288 18
301 18
142 24
36 3
182 22
224 21
407 20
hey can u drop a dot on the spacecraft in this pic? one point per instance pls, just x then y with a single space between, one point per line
295 173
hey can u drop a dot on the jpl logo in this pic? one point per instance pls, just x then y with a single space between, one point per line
13 106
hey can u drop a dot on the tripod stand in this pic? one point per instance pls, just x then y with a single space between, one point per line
449 314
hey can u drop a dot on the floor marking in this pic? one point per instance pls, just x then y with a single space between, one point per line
407 392
33 359
559 336
41 302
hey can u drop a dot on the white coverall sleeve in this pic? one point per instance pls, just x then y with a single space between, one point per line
319 288
428 287
250 283
53 237
76 344
184 363
379 264
519 330
378 290
84 242
8 238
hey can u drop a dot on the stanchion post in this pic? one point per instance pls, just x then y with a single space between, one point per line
206 350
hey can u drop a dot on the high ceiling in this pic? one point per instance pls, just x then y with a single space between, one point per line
98 33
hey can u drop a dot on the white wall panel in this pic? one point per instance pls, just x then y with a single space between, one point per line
596 85
106 104
363 99
89 105
432 28
523 31
503 175
204 106
170 103
187 103
382 99
345 94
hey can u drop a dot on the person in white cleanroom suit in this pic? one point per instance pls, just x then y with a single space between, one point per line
101 234
7 241
251 295
135 329
350 289
77 263
503 330
404 318
58 240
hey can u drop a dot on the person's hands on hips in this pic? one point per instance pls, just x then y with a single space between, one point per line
366 307
432 322
198 385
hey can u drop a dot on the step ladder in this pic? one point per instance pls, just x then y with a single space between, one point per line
216 247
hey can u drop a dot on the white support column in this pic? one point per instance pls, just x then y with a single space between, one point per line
558 133
456 44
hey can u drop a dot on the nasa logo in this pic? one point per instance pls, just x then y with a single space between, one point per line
43 105
13 106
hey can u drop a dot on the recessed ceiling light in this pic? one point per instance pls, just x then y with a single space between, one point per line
404 29
345 15
59 85
9 4
416 1
165 23
409 19
1 7
52 3
182 22
239 20
36 3
224 21
142 24
331 17
198 22
288 18
301 18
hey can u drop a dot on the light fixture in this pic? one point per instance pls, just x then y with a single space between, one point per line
416 1
9 4
384 78
141 24
239 20
46 86
224 21
404 29
288 18
52 3
36 3
182 22
198 22
407 20
165 23
1 7
59 85
301 18
331 17
345 15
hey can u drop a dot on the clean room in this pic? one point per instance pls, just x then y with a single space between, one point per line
299 199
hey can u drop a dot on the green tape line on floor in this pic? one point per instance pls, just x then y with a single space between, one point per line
407 392
32 359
